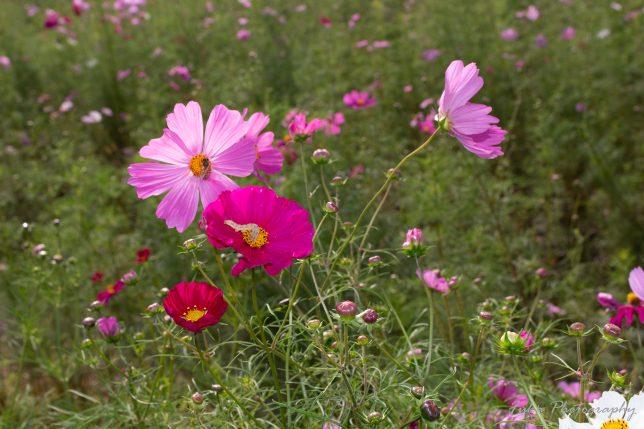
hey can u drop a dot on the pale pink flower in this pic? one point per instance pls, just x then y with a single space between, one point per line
573 390
333 123
470 123
180 71
243 34
636 282
80 6
93 117
245 3
431 54
193 164
541 41
434 281
362 44
379 44
509 34
268 160
5 62
32 10
122 74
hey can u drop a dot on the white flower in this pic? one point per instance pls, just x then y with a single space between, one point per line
612 411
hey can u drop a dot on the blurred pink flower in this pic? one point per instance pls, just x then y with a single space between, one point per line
509 34
541 41
5 62
31 9
325 21
301 130
424 123
434 281
568 33
431 54
243 34
527 337
122 74
555 310
245 3
333 123
93 117
80 6
358 100
362 44
379 44
636 282
52 19
573 390
531 13
470 123
180 71
508 392
353 20
581 107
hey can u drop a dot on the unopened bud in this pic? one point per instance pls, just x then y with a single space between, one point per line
486 315
430 411
576 329
216 388
346 309
612 330
197 398
417 391
313 324
338 181
374 417
370 316
374 260
362 340
88 322
331 207
190 244
153 307
320 156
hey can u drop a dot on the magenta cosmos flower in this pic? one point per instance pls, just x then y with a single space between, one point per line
300 129
433 280
625 313
193 164
508 392
195 306
108 326
104 296
573 390
358 100
265 229
470 123
268 159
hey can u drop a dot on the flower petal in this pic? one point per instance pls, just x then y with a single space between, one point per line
237 159
224 129
611 405
636 281
179 206
187 122
152 178
167 148
210 188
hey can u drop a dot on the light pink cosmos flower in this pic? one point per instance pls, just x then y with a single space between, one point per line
508 392
180 71
333 123
573 390
243 34
358 100
424 123
568 33
540 41
431 54
636 282
433 280
509 34
362 43
268 160
470 123
32 10
193 164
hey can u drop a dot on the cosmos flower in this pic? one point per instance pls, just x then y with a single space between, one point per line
573 389
508 392
509 34
195 306
358 100
424 123
301 130
142 255
104 296
97 277
108 326
268 160
181 72
470 123
267 230
333 123
5 62
611 410
625 313
243 34
193 164
431 54
569 33
433 280
80 6
540 41
52 19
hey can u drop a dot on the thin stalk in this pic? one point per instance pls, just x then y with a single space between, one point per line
525 386
582 380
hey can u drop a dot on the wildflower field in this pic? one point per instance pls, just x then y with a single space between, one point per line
321 214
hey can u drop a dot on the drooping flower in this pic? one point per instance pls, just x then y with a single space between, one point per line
268 160
611 410
108 326
434 281
104 296
573 389
470 123
194 165
267 230
358 100
142 255
195 306
508 392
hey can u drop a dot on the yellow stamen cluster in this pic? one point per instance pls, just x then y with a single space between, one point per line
200 166
360 102
194 314
260 240
110 290
632 299
615 424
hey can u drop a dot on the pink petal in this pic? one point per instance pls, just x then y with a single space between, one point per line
257 122
237 159
151 178
636 281
485 145
179 206
224 128
471 119
210 188
167 148
187 123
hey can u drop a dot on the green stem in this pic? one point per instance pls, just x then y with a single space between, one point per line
525 386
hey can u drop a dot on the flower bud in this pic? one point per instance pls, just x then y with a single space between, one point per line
56 222
88 322
548 343
417 391
374 260
57 258
414 244
313 324
486 315
197 398
511 343
414 354
362 340
216 388
338 181
331 207
374 417
370 316
153 307
346 309
86 343
612 330
320 156
430 411
95 305
190 244
542 272
576 329
163 291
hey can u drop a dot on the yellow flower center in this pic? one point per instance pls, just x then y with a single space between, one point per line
110 290
632 299
194 314
360 101
615 424
287 138
200 166
253 234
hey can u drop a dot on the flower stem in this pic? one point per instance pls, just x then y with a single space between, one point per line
525 386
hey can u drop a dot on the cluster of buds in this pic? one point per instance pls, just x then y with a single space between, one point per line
414 244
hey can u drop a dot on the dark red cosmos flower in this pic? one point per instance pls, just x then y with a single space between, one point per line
97 277
195 306
142 255
105 296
